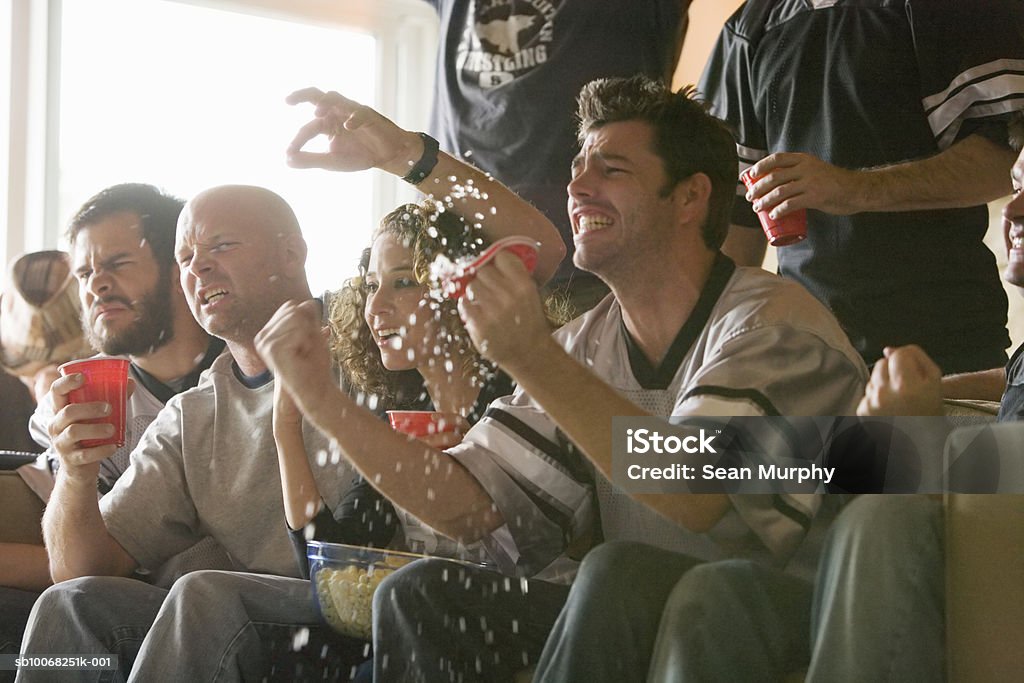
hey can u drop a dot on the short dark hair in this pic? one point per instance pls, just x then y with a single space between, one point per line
686 136
158 215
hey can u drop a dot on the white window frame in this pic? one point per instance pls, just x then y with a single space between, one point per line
406 32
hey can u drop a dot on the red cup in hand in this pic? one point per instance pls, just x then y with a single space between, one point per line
420 423
458 275
103 379
787 230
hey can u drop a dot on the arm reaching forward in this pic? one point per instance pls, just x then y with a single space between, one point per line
423 480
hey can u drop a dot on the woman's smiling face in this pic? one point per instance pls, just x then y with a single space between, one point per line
397 310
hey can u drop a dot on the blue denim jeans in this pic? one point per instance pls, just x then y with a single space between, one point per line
438 621
875 612
211 626
607 629
96 615
15 606
879 602
736 621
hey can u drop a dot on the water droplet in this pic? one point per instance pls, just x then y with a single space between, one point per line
300 639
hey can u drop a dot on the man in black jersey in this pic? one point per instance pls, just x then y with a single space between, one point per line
908 382
887 121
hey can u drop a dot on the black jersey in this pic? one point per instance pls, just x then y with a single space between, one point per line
872 83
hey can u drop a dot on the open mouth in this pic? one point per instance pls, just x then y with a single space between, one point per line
213 296
1017 237
592 223
389 336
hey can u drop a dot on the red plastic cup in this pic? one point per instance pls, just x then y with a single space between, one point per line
787 230
420 423
454 283
104 379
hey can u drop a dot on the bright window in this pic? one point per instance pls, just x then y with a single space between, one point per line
186 97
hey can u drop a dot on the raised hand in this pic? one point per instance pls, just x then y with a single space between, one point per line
359 137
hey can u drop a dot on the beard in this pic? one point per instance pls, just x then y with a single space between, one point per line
152 328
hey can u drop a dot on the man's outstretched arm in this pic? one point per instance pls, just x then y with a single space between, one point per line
971 172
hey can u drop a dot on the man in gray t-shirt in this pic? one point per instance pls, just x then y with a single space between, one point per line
205 467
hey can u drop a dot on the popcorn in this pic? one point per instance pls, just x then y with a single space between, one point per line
346 595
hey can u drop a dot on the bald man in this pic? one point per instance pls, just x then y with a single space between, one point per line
206 466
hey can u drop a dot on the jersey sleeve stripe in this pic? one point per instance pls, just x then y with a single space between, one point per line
1000 94
752 395
783 506
966 78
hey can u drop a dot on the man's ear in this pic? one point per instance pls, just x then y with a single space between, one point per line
697 188
692 196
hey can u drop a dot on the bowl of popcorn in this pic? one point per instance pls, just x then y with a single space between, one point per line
344 579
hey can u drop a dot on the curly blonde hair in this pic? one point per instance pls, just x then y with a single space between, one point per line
429 231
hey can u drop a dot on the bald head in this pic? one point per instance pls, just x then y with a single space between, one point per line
241 255
257 207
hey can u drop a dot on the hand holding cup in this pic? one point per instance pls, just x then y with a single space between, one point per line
104 380
456 276
785 230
